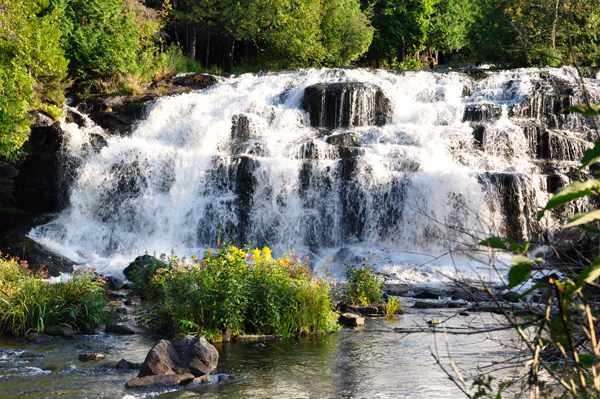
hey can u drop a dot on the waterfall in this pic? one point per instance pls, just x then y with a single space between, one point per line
336 163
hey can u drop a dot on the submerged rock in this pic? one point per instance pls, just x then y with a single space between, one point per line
91 356
118 329
163 380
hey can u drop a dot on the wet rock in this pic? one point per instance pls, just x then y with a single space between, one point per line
133 301
91 356
162 380
335 105
463 313
429 305
186 355
27 355
434 322
118 329
140 263
482 112
126 365
427 295
376 309
122 310
114 283
39 337
41 119
114 304
351 320
64 331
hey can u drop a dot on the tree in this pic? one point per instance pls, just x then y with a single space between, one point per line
32 69
347 31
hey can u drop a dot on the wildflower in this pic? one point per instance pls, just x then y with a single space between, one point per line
233 248
267 252
256 253
208 252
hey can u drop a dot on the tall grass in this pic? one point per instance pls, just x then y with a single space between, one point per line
243 291
28 303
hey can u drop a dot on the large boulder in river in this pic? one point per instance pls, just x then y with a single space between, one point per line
140 263
186 355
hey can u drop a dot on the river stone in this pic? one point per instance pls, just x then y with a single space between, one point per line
91 356
186 355
351 320
163 380
118 329
428 305
38 337
114 283
64 331
141 262
127 365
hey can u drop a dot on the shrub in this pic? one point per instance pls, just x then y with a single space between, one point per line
28 303
392 306
365 286
243 291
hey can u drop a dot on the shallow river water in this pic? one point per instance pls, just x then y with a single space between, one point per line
370 362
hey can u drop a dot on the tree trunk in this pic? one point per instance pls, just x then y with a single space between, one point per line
377 63
554 26
207 47
192 43
230 55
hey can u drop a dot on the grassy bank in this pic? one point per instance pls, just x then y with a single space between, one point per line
28 303
244 291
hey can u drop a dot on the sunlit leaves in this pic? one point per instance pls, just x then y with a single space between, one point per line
570 193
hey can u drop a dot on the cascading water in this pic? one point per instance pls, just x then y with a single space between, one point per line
334 163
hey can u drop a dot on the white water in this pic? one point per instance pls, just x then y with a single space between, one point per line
417 190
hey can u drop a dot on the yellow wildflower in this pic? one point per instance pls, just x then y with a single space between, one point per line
208 252
267 252
256 254
233 248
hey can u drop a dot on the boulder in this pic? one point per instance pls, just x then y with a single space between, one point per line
335 105
118 329
114 283
91 356
157 381
38 337
140 263
126 365
64 331
186 355
351 320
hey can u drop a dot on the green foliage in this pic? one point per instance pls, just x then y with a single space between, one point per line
347 32
392 306
365 286
28 303
246 292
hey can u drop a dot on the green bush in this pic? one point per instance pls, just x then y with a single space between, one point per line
365 286
245 292
28 303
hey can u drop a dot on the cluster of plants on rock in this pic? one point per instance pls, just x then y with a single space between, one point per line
240 290
30 303
365 286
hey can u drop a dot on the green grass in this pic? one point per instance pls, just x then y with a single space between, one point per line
365 286
28 303
240 290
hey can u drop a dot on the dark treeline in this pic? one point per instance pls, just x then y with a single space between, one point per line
51 47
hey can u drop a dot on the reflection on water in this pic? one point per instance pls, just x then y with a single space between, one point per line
373 362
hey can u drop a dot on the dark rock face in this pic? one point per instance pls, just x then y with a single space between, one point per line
118 114
186 355
334 105
127 365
